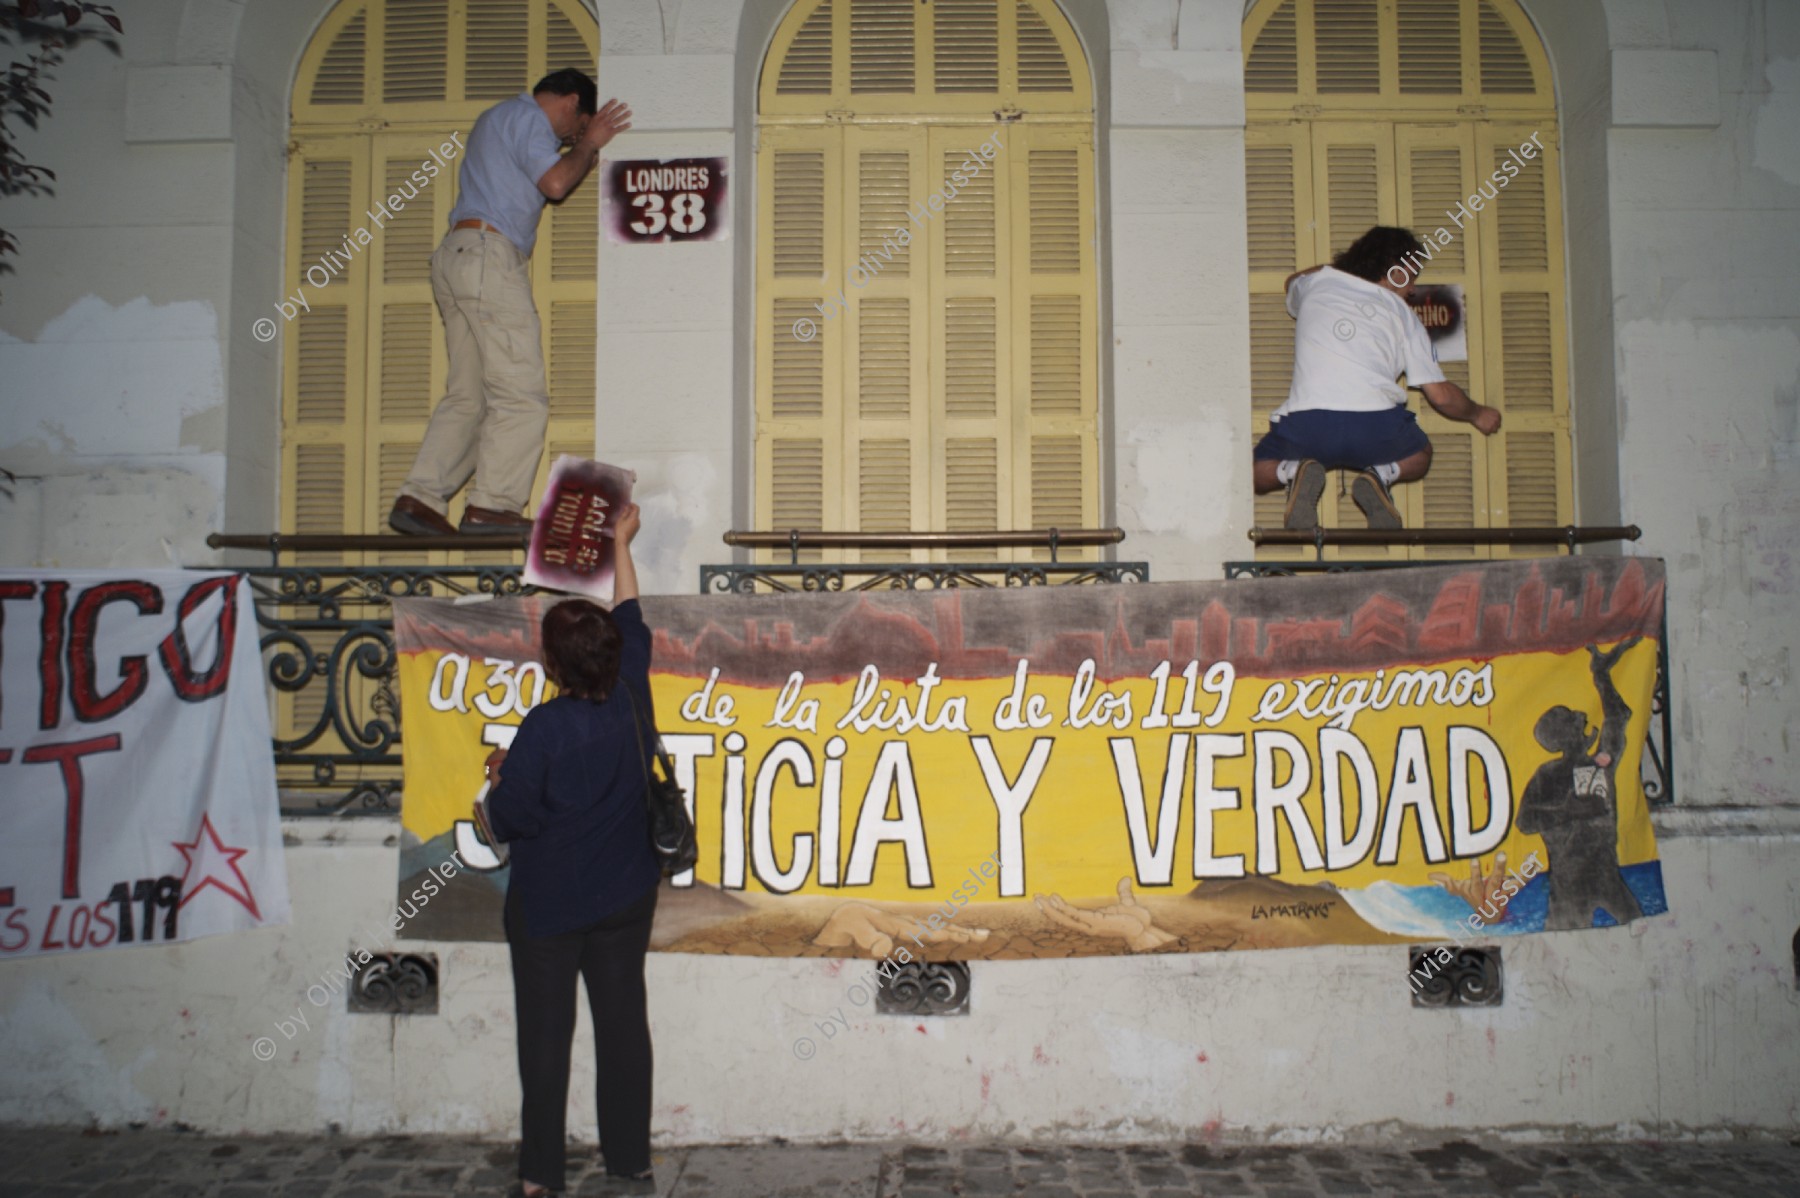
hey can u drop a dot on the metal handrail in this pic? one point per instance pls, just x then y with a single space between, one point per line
1054 539
277 543
1074 538
1568 535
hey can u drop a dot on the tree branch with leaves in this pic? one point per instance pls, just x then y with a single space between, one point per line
43 31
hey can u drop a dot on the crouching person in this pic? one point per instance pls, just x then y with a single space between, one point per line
1354 335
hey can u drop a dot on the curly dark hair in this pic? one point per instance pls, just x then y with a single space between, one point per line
581 649
570 82
1371 256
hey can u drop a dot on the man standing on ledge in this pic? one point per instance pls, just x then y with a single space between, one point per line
1353 336
496 403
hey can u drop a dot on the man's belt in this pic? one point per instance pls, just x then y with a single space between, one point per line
476 224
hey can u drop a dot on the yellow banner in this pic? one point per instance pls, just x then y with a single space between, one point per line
1421 754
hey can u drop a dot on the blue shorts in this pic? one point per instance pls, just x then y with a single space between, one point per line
1343 440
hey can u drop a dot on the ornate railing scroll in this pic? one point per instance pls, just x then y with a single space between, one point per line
327 635
796 575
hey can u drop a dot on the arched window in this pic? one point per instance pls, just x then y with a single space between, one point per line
950 382
382 84
1365 112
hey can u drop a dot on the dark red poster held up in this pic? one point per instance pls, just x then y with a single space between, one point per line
572 538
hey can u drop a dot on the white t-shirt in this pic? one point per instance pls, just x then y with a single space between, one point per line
1352 340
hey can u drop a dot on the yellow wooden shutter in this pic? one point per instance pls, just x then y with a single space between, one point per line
1394 111
383 83
1054 317
950 382
1436 170
1524 324
322 449
1279 194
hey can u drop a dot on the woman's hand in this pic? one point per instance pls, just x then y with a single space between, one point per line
629 520
494 761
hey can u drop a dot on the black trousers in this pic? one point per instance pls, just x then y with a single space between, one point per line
609 956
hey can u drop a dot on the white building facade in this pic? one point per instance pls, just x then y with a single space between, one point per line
140 411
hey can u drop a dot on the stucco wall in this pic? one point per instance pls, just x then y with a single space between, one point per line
136 407
1671 1025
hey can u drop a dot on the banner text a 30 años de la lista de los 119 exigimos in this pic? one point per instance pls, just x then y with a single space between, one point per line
1047 772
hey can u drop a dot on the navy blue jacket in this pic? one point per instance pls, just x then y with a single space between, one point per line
570 803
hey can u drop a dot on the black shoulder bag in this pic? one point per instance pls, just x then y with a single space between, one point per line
671 827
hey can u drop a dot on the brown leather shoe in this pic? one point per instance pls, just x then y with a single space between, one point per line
479 521
412 517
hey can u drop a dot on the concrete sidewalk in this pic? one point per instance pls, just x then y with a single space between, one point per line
39 1163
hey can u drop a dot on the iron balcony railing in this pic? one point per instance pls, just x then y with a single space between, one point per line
329 654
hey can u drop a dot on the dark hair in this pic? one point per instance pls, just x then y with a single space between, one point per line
581 649
1373 255
570 82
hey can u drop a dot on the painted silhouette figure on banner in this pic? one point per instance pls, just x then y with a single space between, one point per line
1571 803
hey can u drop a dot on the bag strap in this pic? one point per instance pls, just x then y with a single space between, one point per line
661 754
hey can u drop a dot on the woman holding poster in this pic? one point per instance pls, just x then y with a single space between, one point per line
584 879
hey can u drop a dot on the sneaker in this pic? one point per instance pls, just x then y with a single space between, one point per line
486 521
1303 497
412 517
1376 501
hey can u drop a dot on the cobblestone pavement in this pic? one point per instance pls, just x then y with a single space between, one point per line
39 1163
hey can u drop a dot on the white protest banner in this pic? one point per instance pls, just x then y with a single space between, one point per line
137 779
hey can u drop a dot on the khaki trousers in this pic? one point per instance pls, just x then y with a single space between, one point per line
496 406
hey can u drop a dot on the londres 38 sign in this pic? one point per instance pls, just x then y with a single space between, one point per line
1138 768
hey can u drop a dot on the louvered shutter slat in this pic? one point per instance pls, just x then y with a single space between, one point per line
1349 46
967 35
495 53
1533 497
883 192
799 249
563 44
416 53
1269 183
1042 65
882 46
884 359
806 70
571 360
1525 339
323 373
1055 212
1273 64
409 236
1521 217
970 234
970 357
1352 173
1437 187
798 365
407 334
575 235
1430 47
340 77
1505 69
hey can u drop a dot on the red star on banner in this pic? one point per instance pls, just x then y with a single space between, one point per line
211 864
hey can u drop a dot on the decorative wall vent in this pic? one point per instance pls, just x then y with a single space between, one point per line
922 988
1470 978
395 984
